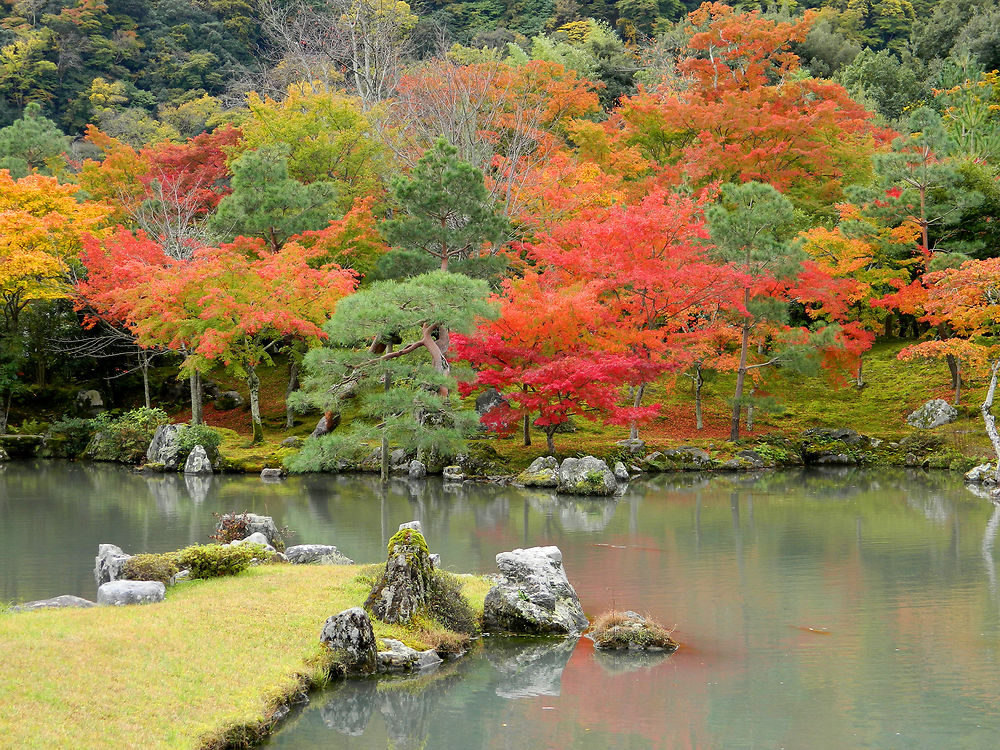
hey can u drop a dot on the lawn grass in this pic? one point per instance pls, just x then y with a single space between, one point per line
216 656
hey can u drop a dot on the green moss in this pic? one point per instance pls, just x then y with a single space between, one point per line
408 537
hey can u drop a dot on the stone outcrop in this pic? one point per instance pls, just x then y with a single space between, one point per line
685 458
543 472
228 400
416 469
329 422
453 474
164 449
934 413
630 631
56 602
982 474
401 589
262 524
316 554
254 538
586 476
271 473
121 593
198 462
533 595
621 472
399 657
488 400
350 634
109 563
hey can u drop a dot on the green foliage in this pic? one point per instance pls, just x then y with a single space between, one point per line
214 560
447 605
400 264
32 143
67 438
124 439
203 435
267 203
445 208
232 526
330 453
151 567
883 82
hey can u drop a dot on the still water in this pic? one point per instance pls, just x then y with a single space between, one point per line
820 609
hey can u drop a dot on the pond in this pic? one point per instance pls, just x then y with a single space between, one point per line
835 608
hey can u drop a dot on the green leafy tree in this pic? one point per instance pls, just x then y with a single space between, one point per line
444 208
880 78
32 143
385 344
267 203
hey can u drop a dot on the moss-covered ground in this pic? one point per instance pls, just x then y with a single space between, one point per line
210 664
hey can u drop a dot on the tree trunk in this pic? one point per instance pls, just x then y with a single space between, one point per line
550 443
734 428
527 429
258 428
750 412
859 381
988 419
384 462
955 368
144 366
196 411
698 382
293 385
637 394
5 414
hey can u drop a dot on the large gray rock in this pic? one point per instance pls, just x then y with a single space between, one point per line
488 400
316 554
350 633
586 476
258 524
56 602
416 469
533 595
399 657
254 538
621 472
109 563
90 399
934 413
271 473
402 587
329 422
982 474
165 447
543 472
197 462
121 593
228 400
453 474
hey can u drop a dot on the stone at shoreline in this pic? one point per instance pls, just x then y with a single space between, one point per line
165 447
635 446
934 413
121 593
21 446
685 458
586 476
543 472
621 472
271 473
453 474
66 600
402 587
197 462
316 554
350 633
982 474
416 469
630 631
109 563
401 658
263 524
843 434
533 596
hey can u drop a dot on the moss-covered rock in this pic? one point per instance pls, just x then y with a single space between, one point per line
630 631
401 591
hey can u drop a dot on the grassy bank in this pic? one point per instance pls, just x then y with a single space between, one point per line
209 664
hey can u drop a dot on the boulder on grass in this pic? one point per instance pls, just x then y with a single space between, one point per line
533 595
586 476
402 587
934 413
350 633
543 472
316 554
56 602
121 593
109 563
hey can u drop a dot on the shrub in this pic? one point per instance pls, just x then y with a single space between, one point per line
125 438
215 560
30 427
329 453
231 526
151 567
446 604
67 438
616 630
921 443
199 434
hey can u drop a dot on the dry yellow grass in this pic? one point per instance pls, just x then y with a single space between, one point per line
216 655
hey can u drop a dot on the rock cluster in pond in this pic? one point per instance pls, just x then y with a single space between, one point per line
934 413
165 447
533 596
56 602
402 587
630 631
198 462
120 593
575 476
351 635
316 554
109 563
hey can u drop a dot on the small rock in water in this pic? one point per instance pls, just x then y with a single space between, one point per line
197 462
271 473
621 472
416 469
120 593
543 472
586 476
453 474
401 658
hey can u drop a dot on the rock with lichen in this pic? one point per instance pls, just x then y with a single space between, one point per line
586 476
630 631
350 634
543 472
401 589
